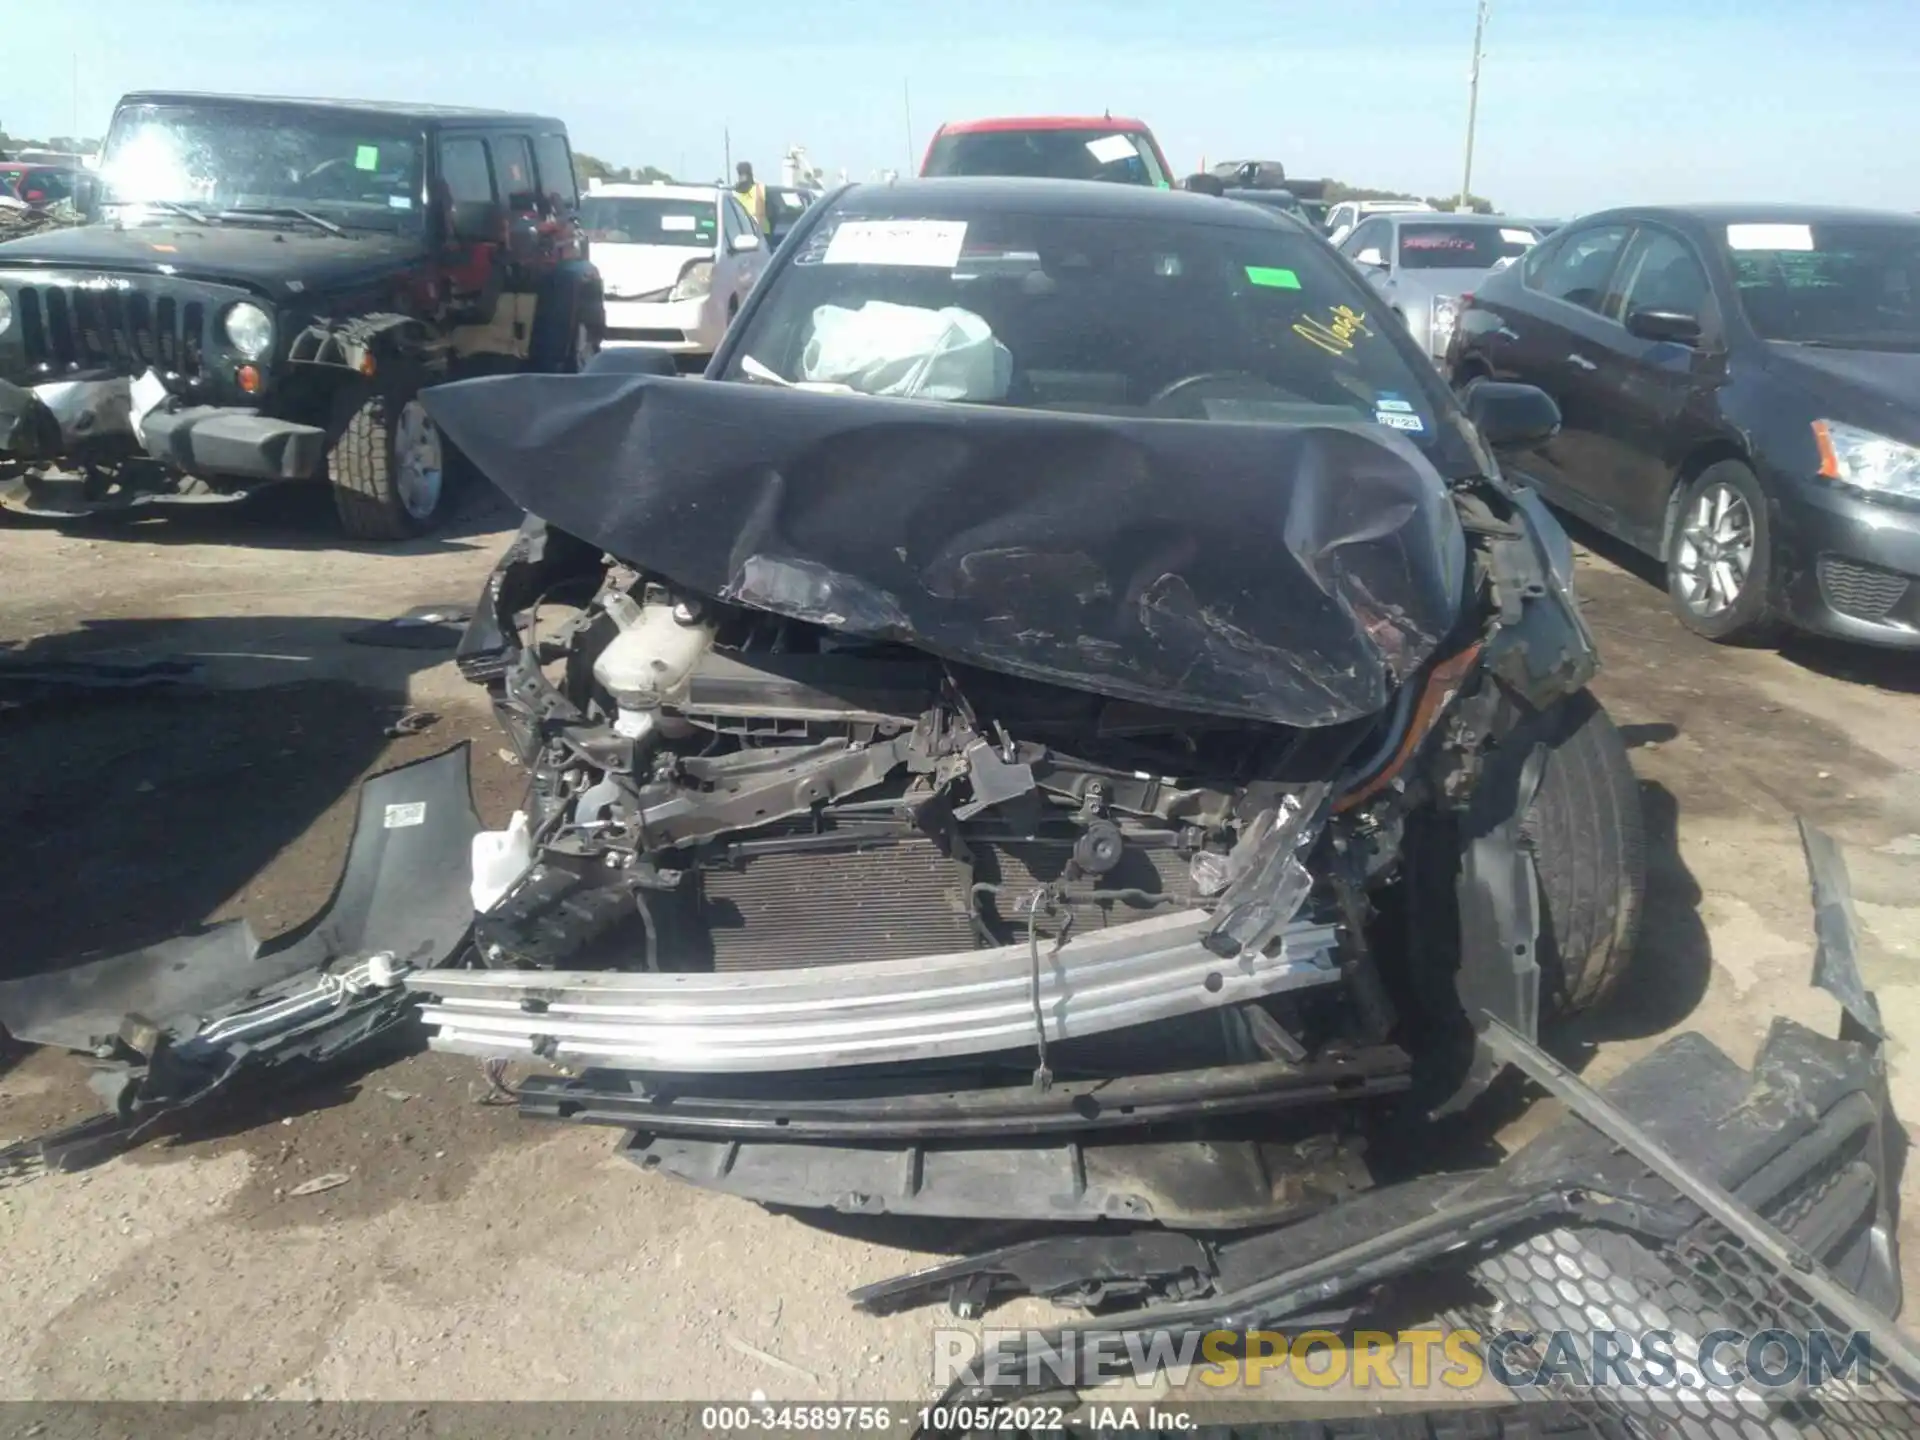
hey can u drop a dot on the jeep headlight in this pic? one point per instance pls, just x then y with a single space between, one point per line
6 313
249 329
1862 459
1443 317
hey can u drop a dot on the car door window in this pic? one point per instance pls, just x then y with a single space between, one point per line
1659 272
1578 270
731 217
513 170
554 162
1370 236
464 170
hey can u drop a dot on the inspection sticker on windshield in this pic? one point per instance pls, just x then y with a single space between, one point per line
1269 276
1770 237
934 244
677 222
1392 402
414 812
1517 237
1398 420
1109 148
367 157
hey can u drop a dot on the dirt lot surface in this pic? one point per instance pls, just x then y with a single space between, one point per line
473 1255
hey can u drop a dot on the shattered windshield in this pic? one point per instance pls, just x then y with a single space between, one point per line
1096 315
1848 286
357 171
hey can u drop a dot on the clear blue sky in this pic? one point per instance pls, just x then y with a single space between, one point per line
1584 103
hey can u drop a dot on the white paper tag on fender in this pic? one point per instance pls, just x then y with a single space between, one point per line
934 244
143 395
414 812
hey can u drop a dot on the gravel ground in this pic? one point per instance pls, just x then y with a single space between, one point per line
475 1256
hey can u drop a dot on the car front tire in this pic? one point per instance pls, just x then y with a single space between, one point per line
1720 571
389 468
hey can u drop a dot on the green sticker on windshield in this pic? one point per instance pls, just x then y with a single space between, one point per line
1274 279
367 157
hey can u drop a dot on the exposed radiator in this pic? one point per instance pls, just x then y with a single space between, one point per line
893 901
775 912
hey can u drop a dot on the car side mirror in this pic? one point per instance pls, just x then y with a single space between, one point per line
1510 416
1371 258
741 244
474 221
1675 326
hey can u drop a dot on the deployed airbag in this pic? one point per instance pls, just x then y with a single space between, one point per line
1292 574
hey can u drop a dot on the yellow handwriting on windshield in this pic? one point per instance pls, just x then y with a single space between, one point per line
1337 333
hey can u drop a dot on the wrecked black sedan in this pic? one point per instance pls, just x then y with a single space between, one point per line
1071 665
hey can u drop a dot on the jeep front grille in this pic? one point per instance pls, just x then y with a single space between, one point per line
66 326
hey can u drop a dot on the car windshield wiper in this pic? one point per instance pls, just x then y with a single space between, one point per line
759 374
288 211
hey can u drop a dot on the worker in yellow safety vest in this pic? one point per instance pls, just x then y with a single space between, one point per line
752 194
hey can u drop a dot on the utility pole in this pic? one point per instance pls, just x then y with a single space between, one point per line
1473 101
906 96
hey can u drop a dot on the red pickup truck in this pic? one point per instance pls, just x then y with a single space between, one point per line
1056 147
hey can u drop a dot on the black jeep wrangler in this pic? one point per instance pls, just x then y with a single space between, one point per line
263 288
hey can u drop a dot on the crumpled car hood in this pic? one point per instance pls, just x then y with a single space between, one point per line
1286 574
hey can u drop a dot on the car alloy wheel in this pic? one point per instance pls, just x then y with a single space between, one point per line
1713 553
418 463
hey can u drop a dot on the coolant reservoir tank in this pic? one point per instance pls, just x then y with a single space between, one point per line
647 665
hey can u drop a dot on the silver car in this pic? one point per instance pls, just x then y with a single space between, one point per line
1423 262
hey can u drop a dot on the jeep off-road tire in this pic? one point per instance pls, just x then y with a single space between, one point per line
1587 834
370 476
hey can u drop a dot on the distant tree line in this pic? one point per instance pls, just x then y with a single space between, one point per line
592 167
58 144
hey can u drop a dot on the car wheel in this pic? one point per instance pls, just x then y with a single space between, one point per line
1586 832
1720 559
389 470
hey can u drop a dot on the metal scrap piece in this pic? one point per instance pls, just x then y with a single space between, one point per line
1836 956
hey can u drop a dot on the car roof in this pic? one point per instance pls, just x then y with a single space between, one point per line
1706 216
392 108
1044 122
996 194
626 190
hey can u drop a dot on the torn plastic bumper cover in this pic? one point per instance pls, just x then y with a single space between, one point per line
1687 1196
174 1023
